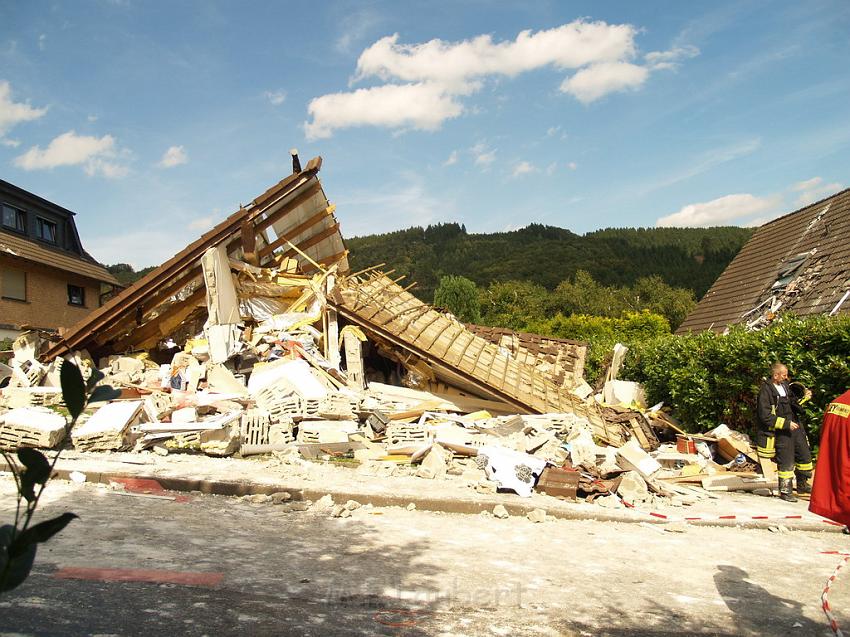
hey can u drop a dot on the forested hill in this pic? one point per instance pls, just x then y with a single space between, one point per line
690 258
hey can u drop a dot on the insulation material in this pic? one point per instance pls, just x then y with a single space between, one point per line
31 427
222 305
108 428
510 469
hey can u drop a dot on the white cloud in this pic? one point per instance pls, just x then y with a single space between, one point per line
202 223
95 154
483 155
12 113
523 168
568 46
275 97
355 25
174 156
10 143
552 131
92 118
444 71
369 211
670 59
572 165
551 168
597 80
813 190
42 39
731 209
452 160
421 106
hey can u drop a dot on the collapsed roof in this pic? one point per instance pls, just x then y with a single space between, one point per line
799 262
290 231
292 219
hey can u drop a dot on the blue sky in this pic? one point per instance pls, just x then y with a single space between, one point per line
155 120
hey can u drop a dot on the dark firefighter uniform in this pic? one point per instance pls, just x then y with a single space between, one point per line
831 489
776 440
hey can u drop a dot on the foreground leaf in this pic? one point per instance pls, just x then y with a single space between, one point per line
104 392
13 570
38 468
73 388
41 532
96 376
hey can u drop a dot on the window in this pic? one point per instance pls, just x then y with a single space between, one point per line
45 230
76 295
14 218
14 284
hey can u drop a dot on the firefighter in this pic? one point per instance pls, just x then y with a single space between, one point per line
781 435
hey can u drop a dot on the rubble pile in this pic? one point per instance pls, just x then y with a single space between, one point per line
257 339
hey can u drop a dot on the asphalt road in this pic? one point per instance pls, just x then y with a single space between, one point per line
209 565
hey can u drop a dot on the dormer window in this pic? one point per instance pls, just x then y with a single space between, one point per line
14 218
45 230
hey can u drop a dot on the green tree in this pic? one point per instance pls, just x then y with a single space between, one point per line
513 304
460 296
653 294
584 295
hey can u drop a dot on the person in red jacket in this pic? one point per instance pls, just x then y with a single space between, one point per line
831 487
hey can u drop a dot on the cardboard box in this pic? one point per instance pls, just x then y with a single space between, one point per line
560 483
685 444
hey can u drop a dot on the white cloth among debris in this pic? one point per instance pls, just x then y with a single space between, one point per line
511 469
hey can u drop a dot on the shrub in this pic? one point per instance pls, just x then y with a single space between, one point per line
710 378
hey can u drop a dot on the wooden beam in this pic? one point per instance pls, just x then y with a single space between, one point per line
125 303
290 236
149 304
286 208
152 327
316 238
249 243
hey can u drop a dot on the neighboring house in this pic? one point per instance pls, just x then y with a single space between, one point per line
798 263
47 280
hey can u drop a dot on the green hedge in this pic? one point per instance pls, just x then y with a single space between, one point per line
709 378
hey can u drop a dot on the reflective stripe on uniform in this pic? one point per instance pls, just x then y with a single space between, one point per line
765 453
838 409
803 466
780 423
785 474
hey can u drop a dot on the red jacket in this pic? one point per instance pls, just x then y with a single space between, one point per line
831 487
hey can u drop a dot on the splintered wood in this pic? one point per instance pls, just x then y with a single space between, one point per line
383 307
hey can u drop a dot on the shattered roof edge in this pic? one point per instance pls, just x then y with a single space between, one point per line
73 337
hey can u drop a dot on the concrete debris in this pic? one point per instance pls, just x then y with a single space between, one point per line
257 339
536 515
325 502
500 512
633 489
280 497
340 511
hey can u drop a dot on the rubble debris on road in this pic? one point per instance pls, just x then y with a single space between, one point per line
257 339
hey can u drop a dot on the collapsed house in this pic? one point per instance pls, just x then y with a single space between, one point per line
799 262
257 338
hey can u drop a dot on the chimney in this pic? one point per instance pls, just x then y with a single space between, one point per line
296 164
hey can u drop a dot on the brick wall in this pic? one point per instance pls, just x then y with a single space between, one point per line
47 296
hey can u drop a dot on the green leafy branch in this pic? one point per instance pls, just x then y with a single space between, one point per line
18 541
